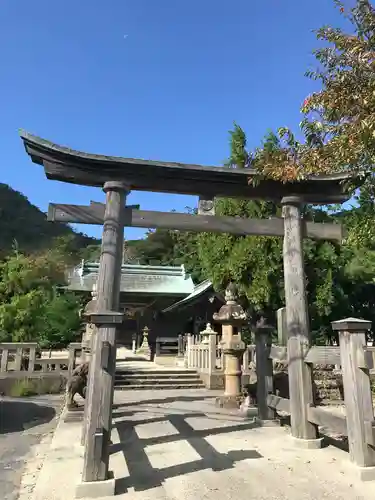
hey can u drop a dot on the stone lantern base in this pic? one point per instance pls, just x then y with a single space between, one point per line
229 401
233 349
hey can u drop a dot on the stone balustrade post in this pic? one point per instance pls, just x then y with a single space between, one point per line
209 339
134 343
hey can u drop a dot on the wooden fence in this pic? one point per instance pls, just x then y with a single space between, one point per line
356 360
352 355
19 358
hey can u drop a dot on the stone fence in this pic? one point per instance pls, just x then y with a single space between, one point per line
204 354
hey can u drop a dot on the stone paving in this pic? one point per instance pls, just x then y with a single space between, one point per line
25 423
176 445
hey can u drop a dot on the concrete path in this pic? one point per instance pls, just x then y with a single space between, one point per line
173 445
24 424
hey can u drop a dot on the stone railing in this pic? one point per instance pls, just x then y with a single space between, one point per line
206 355
200 356
19 358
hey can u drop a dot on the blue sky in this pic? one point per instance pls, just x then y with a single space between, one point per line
154 79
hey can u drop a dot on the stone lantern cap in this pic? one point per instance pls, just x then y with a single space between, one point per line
231 313
146 331
208 330
207 333
262 325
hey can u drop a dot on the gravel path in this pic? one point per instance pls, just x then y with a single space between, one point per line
24 423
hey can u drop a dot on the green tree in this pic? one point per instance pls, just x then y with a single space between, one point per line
156 247
339 279
343 111
338 126
25 226
253 263
185 251
62 323
31 306
169 248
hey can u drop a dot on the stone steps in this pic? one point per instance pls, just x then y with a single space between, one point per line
157 379
158 387
155 376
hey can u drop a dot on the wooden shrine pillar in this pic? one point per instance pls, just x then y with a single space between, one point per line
264 370
297 321
103 360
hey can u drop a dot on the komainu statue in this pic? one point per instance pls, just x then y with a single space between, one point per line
77 384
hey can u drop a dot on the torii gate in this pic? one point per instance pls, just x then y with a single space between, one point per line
117 177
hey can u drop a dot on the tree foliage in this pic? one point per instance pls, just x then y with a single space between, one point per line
32 308
339 278
338 126
342 113
253 263
24 227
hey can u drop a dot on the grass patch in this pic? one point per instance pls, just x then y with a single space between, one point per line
33 386
23 388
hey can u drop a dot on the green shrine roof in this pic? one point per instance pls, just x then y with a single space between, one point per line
136 279
199 290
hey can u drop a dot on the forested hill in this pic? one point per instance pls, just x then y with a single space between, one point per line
25 226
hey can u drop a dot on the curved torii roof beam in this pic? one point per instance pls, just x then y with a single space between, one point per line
67 165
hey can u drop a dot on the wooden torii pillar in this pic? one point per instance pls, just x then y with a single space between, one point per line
297 322
98 411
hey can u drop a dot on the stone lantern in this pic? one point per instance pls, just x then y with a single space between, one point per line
207 333
231 316
145 350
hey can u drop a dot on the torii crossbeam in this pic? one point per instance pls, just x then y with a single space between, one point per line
94 214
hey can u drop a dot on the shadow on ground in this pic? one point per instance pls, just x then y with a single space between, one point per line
16 416
143 476
171 399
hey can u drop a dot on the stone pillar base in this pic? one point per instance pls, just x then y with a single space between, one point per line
96 489
227 401
247 409
73 414
365 473
270 423
308 444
